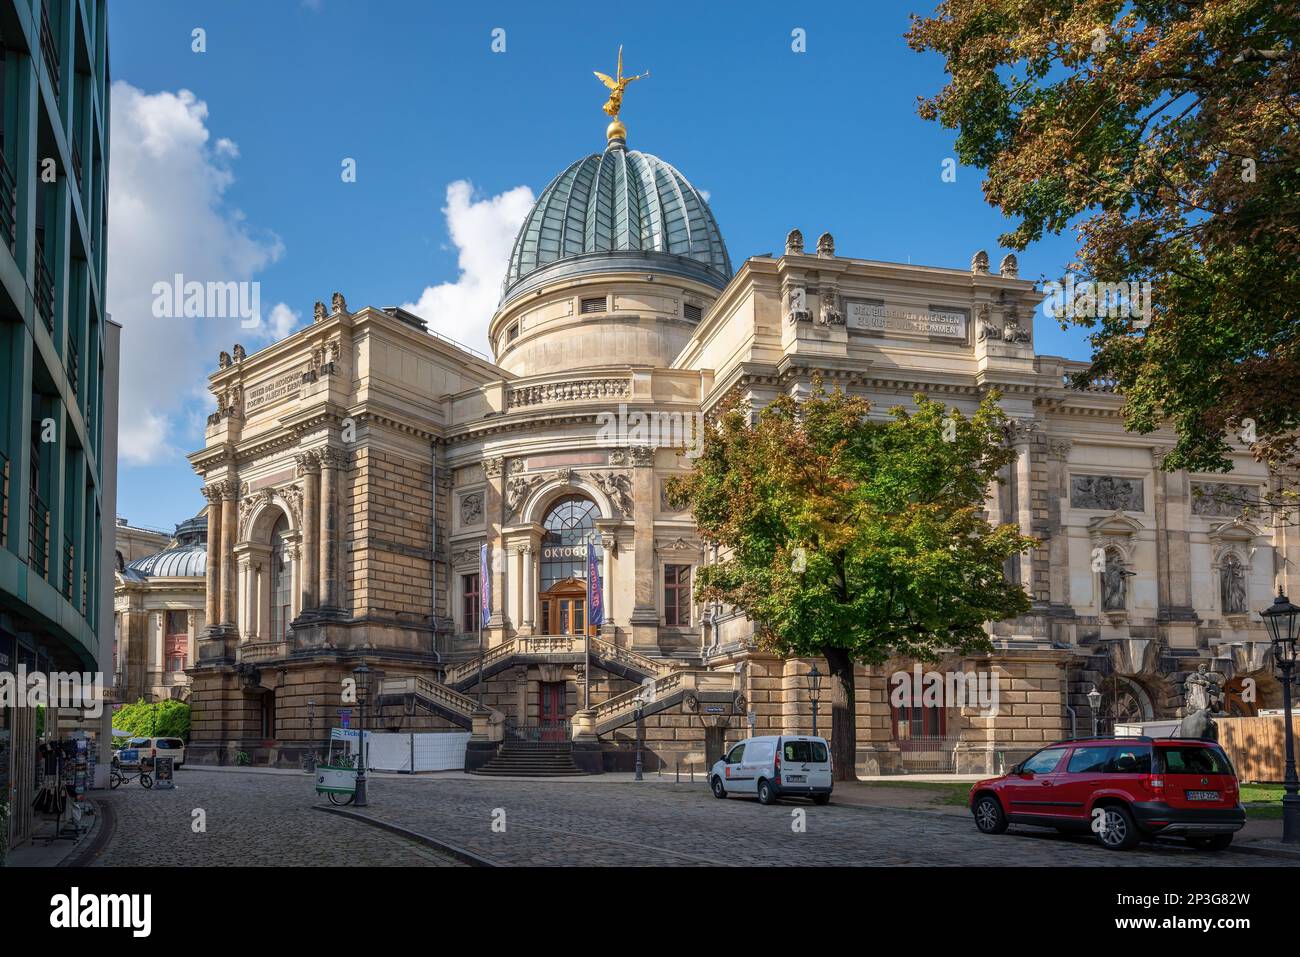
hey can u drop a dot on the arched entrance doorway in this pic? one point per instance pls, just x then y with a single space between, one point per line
570 526
1124 701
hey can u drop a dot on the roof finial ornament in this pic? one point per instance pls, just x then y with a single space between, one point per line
616 84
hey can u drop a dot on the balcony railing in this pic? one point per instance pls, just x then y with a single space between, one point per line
49 50
73 365
69 560
38 536
4 501
8 201
76 160
44 291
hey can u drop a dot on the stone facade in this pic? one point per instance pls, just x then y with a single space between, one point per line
355 471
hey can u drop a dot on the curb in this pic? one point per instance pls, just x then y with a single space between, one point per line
97 840
459 853
1281 853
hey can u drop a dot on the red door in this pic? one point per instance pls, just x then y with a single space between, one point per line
552 710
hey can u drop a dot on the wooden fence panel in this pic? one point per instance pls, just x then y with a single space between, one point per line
1256 745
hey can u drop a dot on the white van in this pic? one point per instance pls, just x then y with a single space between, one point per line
775 767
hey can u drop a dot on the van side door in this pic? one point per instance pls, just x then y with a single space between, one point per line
733 774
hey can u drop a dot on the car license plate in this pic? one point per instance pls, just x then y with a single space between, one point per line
1203 796
796 778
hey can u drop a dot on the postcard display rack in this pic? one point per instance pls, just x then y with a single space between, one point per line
66 768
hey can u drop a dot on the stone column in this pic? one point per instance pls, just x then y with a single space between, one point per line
244 618
1058 500
494 470
1022 437
644 618
1173 552
213 596
607 585
309 469
329 462
530 588
229 512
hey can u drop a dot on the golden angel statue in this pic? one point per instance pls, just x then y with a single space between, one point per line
617 85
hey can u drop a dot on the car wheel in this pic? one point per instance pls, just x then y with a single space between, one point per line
718 790
1211 842
988 815
1117 830
765 793
821 799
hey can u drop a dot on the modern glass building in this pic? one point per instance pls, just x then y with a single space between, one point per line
58 364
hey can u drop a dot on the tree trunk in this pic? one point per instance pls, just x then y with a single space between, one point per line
844 726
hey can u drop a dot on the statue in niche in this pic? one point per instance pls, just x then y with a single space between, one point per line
1114 587
1232 585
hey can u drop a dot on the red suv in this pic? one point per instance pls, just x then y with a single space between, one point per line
1123 789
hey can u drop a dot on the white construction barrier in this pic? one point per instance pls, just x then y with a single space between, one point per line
417 751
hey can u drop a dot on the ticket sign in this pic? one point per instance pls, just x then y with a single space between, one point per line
164 773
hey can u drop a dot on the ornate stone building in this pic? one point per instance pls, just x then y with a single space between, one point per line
158 615
355 470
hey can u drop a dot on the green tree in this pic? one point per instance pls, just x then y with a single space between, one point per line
853 538
157 719
1166 132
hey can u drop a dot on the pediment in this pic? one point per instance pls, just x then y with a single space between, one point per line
1115 524
1237 530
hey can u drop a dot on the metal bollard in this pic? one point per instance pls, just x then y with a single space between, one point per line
678 778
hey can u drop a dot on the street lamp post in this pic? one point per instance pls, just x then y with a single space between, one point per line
1280 619
310 764
362 674
640 731
1094 704
814 692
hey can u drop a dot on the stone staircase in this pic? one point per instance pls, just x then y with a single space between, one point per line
530 762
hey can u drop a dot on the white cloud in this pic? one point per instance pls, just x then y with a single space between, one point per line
483 231
168 214
282 321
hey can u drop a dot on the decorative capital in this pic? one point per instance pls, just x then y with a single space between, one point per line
308 461
494 467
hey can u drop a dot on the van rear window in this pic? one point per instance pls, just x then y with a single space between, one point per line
805 751
1193 760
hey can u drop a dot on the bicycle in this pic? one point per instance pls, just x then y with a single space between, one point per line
117 777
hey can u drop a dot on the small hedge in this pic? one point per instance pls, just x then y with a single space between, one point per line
159 719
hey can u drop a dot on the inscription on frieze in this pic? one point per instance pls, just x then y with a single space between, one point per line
871 315
272 390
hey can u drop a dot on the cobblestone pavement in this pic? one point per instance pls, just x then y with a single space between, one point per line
252 820
553 823
268 819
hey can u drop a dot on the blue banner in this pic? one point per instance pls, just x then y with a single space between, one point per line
595 599
484 587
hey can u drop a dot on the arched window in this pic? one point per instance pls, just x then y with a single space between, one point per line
281 580
570 525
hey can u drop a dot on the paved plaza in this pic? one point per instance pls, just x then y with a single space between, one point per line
267 818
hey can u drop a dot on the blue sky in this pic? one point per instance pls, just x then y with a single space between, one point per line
239 178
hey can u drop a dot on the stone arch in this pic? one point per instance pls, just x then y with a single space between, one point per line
1124 699
259 517
539 503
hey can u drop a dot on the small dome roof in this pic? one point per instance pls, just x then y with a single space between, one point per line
615 211
184 561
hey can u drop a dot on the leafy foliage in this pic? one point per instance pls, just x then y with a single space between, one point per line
865 535
160 719
1167 133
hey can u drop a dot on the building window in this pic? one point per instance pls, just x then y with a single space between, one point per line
512 333
692 312
570 525
911 722
469 602
677 594
281 581
593 305
178 640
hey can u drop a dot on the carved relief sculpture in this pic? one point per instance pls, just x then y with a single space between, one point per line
617 488
794 243
826 246
979 263
1106 492
471 509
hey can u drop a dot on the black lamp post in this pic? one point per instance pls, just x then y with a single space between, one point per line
1280 619
362 674
814 692
640 731
310 764
1094 704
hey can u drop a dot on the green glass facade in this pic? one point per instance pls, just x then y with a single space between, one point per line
57 352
